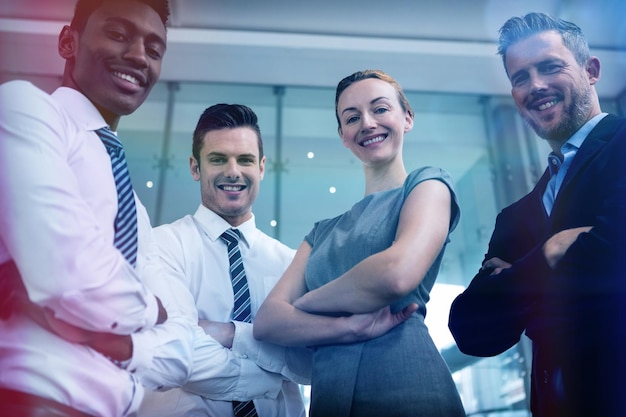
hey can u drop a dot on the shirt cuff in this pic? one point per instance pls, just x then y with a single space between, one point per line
142 355
152 312
294 364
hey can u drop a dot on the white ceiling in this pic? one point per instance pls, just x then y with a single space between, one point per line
435 46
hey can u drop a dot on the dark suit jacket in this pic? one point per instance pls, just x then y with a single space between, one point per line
574 314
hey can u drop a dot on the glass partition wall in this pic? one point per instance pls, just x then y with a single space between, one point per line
310 175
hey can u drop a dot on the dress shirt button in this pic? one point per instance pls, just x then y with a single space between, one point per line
114 325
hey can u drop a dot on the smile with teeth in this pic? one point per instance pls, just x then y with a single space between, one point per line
373 140
231 187
547 105
127 77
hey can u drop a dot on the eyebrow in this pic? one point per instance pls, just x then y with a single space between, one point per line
551 60
371 102
244 155
151 36
516 73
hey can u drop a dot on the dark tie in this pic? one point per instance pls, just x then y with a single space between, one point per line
125 238
554 164
241 309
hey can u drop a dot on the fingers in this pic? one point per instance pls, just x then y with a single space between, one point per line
555 247
408 311
496 265
62 329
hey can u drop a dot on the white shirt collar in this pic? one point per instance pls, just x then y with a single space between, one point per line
214 225
80 108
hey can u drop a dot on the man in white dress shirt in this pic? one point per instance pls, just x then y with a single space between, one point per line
83 337
229 364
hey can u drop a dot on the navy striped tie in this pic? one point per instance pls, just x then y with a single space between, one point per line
241 310
554 164
125 238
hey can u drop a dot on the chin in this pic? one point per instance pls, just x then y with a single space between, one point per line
232 210
126 105
130 109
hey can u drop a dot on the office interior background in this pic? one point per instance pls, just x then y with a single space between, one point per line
284 58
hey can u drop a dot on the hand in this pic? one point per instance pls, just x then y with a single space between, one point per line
14 298
13 294
46 319
496 265
558 244
113 346
371 325
224 333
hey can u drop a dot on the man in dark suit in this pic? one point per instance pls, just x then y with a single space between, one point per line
556 263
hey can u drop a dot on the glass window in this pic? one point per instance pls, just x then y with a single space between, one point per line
310 176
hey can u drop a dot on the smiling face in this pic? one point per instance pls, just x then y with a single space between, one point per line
116 59
553 93
372 121
230 172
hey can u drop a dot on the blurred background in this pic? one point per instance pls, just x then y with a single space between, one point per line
284 58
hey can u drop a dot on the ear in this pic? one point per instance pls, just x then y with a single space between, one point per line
262 168
408 121
592 67
67 42
194 168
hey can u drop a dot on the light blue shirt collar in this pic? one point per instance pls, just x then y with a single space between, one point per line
581 134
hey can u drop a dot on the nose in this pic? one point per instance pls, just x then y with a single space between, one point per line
368 122
537 82
136 53
232 170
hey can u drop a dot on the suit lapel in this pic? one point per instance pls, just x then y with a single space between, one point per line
595 141
537 209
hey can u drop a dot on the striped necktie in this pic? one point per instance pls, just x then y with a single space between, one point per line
241 310
549 195
125 238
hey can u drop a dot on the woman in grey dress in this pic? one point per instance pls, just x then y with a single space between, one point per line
357 289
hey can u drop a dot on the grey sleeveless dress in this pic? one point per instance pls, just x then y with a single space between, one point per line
400 373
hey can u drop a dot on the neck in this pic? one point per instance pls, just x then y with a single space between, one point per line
384 178
233 219
109 117
556 143
112 120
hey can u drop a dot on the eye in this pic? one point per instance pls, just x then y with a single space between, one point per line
246 161
351 119
117 36
153 53
216 160
551 68
155 50
381 110
518 80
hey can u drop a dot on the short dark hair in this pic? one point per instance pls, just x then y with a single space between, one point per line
85 8
225 116
518 28
370 73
